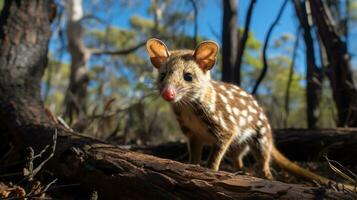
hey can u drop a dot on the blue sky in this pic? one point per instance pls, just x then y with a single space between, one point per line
210 18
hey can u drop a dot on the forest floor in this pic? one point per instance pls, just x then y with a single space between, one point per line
15 185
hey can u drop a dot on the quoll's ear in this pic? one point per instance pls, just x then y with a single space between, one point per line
205 54
158 52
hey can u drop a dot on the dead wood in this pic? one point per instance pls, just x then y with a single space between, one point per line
297 144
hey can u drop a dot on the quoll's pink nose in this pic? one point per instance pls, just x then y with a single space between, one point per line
168 94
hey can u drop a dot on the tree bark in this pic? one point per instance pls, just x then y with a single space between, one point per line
76 94
339 71
314 75
229 40
113 172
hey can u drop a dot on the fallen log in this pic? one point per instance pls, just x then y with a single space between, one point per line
297 144
112 172
311 145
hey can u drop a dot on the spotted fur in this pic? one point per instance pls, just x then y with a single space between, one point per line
214 113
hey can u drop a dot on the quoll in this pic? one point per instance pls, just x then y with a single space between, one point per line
214 113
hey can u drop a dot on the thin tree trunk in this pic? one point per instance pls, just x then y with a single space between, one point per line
339 72
314 75
265 47
242 43
229 39
76 94
290 78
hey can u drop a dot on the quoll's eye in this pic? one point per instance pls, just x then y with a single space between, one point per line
187 77
162 76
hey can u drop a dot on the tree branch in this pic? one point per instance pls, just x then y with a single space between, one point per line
266 43
242 42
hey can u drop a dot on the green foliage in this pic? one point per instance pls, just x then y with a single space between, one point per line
1 4
55 81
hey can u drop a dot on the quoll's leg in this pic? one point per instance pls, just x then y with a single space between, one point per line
237 153
261 148
217 153
195 150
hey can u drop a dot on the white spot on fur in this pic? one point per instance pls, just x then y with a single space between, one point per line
215 118
262 116
242 101
243 93
259 123
242 121
255 103
229 109
263 130
250 118
222 87
252 110
236 111
222 122
245 113
223 98
235 87
246 134
230 95
233 120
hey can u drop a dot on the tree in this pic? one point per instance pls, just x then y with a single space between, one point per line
76 94
229 40
313 73
339 69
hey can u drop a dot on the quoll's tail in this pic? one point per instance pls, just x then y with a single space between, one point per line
293 168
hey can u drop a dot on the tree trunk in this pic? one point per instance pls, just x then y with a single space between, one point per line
113 172
76 94
229 40
314 75
339 72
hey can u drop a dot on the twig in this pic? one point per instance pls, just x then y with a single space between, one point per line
29 172
62 122
49 185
